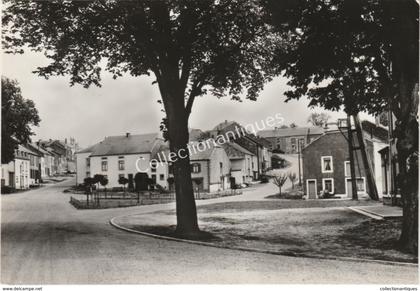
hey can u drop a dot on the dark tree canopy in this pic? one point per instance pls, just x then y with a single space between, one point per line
318 118
337 52
17 117
221 45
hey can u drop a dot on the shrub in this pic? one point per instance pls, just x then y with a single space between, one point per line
264 179
7 190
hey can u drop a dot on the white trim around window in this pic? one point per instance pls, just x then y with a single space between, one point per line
357 178
323 164
345 169
332 184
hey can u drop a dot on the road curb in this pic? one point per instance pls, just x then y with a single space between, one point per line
288 254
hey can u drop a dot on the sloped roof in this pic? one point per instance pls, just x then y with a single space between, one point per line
201 152
284 132
224 124
235 151
28 149
124 145
239 132
89 149
376 131
41 149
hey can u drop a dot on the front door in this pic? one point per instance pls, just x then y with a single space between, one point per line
311 189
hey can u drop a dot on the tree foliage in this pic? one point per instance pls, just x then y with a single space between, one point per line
17 117
279 180
292 177
223 45
318 119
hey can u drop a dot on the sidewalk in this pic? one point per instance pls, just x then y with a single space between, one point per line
378 212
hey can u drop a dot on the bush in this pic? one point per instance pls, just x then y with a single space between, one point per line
161 189
7 190
264 179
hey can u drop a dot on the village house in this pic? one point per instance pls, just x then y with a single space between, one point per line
243 163
210 168
16 174
234 132
389 160
64 160
46 160
122 156
326 164
286 140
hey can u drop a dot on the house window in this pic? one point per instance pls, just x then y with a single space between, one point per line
161 177
120 176
327 164
87 174
154 179
104 165
347 171
195 168
121 165
87 162
153 166
328 185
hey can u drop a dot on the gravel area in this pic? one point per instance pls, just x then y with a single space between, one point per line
306 228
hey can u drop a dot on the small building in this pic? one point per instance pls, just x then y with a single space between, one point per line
286 139
210 167
234 132
16 174
326 163
243 163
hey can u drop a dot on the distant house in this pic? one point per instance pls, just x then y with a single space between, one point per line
286 139
122 156
326 164
243 163
234 132
62 155
16 174
210 168
46 160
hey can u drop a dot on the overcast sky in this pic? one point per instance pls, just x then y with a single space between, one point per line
129 104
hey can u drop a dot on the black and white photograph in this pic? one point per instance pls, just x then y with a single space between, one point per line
222 143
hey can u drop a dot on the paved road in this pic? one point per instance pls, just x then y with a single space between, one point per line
45 240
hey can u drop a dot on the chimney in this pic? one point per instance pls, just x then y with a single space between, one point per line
127 134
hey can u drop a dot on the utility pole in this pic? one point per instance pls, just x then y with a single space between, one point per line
373 192
351 157
299 149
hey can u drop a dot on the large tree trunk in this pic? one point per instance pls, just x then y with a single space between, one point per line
178 135
407 149
403 37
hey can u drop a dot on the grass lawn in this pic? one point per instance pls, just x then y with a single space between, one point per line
295 227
